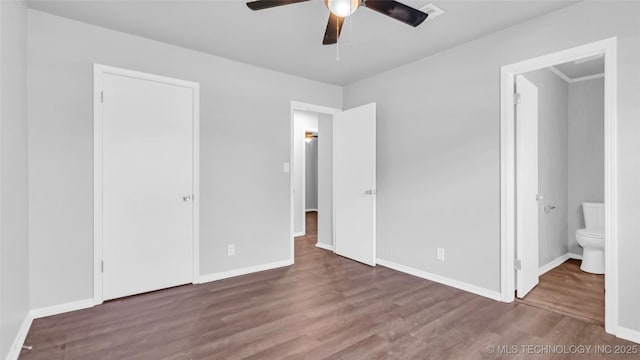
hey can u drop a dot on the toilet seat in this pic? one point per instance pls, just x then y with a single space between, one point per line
590 233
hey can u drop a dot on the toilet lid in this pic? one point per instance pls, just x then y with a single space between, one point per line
594 233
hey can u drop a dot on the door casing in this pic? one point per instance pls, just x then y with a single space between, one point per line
608 47
98 72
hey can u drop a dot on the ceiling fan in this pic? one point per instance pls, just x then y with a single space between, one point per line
340 9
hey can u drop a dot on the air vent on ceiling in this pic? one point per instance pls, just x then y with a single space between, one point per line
432 10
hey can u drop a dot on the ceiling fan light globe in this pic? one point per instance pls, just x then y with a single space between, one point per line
342 8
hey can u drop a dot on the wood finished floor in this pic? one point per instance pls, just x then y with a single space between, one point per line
324 306
568 289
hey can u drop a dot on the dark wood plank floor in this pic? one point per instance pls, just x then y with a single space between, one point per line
324 306
568 289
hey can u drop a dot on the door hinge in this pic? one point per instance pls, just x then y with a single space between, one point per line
102 266
517 264
516 99
102 96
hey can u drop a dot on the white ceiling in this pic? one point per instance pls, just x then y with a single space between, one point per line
573 70
289 38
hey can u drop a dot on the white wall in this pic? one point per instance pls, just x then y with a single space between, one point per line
553 120
438 146
302 120
14 251
245 139
311 174
586 152
325 179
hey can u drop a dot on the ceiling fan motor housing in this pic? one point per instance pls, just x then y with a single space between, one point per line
342 8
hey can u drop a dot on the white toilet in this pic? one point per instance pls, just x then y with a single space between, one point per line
591 238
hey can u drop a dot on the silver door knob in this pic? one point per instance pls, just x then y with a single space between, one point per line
186 198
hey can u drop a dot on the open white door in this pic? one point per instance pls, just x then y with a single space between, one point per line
354 176
526 185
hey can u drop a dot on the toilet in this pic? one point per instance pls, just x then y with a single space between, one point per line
591 238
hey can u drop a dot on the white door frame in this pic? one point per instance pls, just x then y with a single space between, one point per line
98 72
608 47
297 105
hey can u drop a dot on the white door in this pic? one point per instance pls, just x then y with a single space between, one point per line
147 185
354 171
526 185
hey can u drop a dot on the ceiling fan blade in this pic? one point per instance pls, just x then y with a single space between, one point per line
334 27
266 4
398 11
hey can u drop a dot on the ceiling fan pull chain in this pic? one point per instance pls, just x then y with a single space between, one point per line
338 41
350 30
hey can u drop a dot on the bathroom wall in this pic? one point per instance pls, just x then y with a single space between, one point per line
586 152
553 114
311 174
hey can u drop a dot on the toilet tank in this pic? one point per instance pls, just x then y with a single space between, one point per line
593 215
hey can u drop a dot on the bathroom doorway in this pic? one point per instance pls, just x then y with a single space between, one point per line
556 149
560 186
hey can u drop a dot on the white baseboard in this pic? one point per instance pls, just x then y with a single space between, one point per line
243 271
553 264
310 210
21 336
628 334
494 295
62 308
301 233
324 246
575 256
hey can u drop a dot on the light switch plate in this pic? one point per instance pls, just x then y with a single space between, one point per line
231 250
285 167
440 254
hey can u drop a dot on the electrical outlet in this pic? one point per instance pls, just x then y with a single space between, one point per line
440 254
231 250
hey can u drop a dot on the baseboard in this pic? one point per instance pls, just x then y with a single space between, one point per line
21 336
301 233
575 256
628 334
310 210
324 246
62 308
243 271
553 264
494 295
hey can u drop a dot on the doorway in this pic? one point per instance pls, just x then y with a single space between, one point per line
560 188
145 182
312 174
346 178
519 258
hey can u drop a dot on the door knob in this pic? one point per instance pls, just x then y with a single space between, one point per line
186 198
370 192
